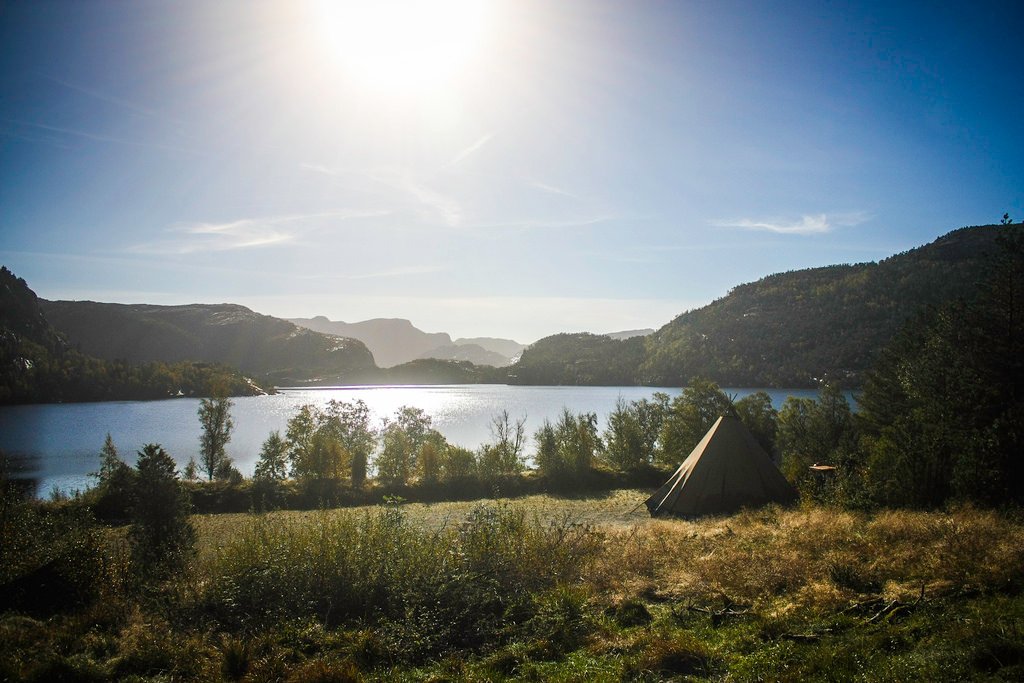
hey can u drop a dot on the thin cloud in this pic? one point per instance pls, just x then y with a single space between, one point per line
445 207
321 169
551 189
245 233
110 99
467 152
96 137
809 224
433 205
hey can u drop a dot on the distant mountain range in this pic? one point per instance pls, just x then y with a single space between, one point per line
272 349
394 341
784 330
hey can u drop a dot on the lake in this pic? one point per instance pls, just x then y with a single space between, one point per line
62 441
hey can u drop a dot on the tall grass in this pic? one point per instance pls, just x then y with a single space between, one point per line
813 557
428 590
457 591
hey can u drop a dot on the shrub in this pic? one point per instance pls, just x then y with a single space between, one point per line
51 559
162 538
428 591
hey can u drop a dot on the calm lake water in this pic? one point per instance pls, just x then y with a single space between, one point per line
62 441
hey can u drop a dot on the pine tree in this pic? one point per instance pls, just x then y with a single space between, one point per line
161 535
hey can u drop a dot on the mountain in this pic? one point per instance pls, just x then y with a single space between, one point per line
579 359
791 329
506 347
474 353
629 334
37 364
392 341
785 330
271 348
437 371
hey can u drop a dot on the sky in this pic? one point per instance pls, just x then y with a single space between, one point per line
504 168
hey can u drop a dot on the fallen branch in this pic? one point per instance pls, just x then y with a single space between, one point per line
729 609
884 611
897 606
805 637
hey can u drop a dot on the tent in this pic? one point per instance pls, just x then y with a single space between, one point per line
727 470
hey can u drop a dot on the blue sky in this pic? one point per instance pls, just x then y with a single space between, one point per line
500 168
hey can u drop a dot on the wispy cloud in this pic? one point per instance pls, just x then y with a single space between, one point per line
110 99
88 135
551 189
449 210
244 233
321 169
432 205
401 190
467 152
809 224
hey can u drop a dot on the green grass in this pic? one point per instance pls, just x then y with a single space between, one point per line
549 588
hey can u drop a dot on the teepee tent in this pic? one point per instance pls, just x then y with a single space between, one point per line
727 470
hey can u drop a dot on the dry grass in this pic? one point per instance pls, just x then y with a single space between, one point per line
812 558
777 559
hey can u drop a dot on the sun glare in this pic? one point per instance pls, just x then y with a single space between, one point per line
403 46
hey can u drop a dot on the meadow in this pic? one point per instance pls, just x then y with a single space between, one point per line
549 588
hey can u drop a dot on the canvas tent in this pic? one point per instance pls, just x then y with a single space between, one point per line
727 470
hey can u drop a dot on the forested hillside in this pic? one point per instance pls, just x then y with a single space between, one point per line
786 330
792 328
270 348
579 359
38 365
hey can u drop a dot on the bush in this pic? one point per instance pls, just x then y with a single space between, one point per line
429 591
51 560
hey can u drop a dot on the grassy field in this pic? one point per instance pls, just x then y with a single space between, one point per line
616 509
548 588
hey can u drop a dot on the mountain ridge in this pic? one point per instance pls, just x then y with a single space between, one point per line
272 348
395 341
37 364
789 329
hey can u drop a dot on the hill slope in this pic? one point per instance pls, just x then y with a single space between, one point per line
474 353
37 365
790 328
785 330
271 348
579 359
506 347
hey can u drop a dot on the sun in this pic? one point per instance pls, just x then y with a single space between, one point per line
402 46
